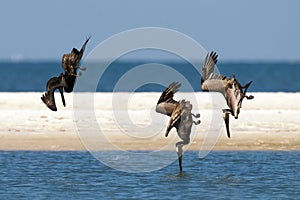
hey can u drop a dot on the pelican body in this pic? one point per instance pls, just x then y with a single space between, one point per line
65 81
230 88
180 115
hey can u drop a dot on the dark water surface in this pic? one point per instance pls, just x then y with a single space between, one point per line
220 175
266 77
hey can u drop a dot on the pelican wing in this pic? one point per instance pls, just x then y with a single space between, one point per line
168 93
175 116
166 104
217 85
208 67
210 81
72 59
53 84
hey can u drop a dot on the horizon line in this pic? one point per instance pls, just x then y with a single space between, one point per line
225 61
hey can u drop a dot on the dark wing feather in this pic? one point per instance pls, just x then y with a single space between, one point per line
210 81
72 59
209 66
168 93
166 103
48 98
176 113
175 116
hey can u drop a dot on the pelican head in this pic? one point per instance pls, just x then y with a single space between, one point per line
235 93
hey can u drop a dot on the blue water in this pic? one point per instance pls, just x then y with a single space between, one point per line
266 77
220 175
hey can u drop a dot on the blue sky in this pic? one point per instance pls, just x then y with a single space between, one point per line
236 29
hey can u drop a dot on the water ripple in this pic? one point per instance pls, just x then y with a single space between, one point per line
55 175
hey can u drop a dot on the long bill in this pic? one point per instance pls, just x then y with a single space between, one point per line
62 96
179 154
226 120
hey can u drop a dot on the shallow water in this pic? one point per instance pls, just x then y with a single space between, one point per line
220 175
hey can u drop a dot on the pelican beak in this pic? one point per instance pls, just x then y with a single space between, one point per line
62 96
236 113
226 119
179 154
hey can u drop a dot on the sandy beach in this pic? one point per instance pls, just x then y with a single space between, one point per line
269 122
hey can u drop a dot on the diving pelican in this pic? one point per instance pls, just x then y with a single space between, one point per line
180 117
231 89
65 81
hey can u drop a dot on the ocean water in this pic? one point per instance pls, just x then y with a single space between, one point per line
266 77
220 175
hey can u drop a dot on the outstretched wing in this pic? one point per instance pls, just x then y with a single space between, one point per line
72 60
53 84
168 93
166 104
210 81
208 67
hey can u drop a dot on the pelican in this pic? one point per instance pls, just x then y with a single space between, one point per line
180 117
230 88
65 81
